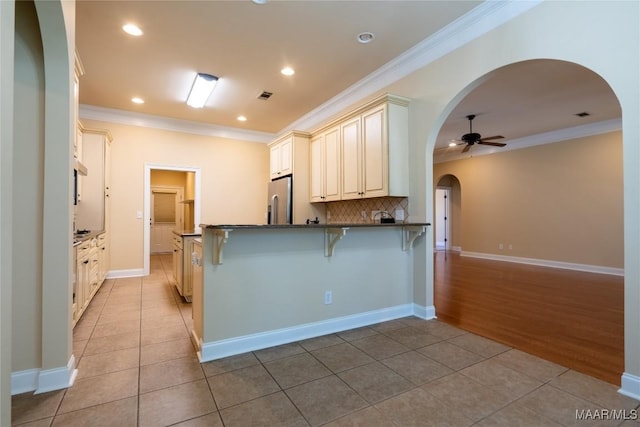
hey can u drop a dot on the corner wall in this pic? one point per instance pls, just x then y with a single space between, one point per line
559 202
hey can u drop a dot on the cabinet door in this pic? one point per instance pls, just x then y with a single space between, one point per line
375 154
274 161
316 166
286 157
281 159
332 165
351 159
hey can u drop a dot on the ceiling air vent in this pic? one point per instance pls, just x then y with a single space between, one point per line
583 114
265 95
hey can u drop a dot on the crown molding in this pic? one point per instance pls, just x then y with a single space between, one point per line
157 122
581 131
478 21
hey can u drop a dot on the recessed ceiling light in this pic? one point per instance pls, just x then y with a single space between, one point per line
452 144
132 29
137 100
288 71
259 1
242 119
365 37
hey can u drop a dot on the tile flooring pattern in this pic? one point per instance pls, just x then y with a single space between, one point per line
137 367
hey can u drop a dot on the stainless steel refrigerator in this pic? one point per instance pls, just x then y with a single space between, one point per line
279 203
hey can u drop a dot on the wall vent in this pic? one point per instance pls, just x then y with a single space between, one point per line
265 95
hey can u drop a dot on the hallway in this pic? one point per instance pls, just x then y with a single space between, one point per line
137 367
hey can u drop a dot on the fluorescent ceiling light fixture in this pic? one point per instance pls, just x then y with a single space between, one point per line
132 29
202 87
288 71
137 100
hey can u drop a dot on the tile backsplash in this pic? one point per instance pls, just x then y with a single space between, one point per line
350 211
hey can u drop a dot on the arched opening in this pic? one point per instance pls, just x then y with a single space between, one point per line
542 215
447 211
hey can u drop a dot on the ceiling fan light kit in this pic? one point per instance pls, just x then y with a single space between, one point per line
472 138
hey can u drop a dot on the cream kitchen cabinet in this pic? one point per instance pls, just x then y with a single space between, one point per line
103 257
182 266
375 160
281 158
87 281
325 166
373 156
296 145
177 262
198 289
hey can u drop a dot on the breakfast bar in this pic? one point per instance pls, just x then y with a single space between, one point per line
256 286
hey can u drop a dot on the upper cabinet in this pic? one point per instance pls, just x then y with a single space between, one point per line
325 166
373 153
289 155
281 158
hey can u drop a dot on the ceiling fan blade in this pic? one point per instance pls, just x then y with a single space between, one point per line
492 137
466 148
495 144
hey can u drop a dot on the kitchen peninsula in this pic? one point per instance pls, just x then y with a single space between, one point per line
256 286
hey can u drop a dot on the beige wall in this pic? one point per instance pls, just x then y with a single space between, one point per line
560 202
27 203
234 180
169 178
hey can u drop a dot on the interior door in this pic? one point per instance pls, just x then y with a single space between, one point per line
442 218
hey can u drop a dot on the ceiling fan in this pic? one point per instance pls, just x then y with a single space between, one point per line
473 138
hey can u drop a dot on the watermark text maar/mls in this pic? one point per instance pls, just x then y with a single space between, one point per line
606 414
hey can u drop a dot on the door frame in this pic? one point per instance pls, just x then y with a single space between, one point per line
146 216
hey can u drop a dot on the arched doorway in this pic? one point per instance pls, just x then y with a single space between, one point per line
531 203
447 213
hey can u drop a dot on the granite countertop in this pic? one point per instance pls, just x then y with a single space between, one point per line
310 226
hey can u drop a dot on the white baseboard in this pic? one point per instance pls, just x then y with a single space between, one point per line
238 345
547 263
120 274
422 312
44 380
630 386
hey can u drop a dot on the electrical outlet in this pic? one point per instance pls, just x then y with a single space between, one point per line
399 214
364 215
328 297
500 246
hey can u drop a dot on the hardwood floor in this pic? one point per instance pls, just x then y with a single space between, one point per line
572 318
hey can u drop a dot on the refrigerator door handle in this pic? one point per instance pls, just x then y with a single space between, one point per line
274 209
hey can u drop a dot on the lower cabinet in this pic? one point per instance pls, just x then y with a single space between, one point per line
182 266
90 273
196 281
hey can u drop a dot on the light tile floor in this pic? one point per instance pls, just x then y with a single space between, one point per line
137 367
